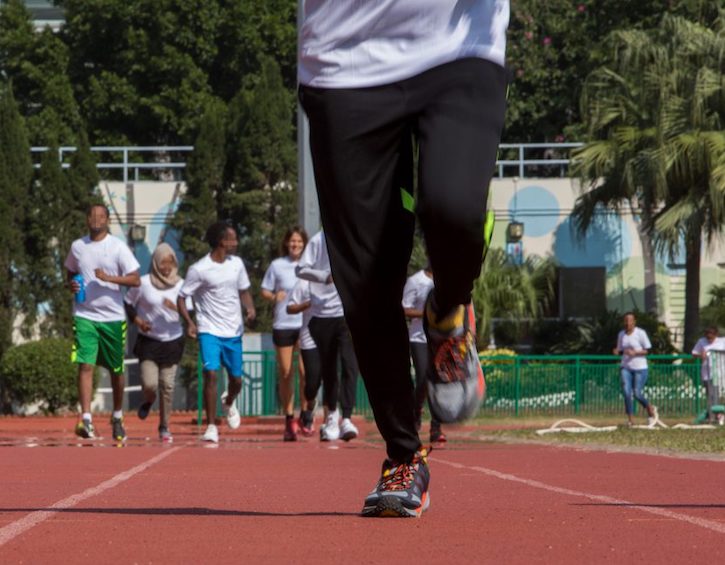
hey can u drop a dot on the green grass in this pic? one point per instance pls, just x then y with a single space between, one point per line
669 440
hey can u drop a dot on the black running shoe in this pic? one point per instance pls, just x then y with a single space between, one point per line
437 437
306 423
119 433
85 429
402 490
143 410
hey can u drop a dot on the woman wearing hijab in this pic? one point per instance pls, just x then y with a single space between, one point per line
160 342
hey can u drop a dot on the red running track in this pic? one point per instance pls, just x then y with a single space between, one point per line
257 499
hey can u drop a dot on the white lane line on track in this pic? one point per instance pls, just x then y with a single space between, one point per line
701 522
14 529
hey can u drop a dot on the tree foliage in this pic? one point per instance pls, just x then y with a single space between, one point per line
15 177
37 63
552 46
656 112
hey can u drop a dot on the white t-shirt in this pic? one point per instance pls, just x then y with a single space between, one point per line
149 303
314 266
299 295
415 293
281 275
354 44
215 289
104 300
702 345
636 340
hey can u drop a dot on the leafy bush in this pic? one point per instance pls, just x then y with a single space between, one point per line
598 336
39 371
714 313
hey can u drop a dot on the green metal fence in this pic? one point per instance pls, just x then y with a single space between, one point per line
523 385
586 384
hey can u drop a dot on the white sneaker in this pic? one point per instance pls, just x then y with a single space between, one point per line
230 413
211 434
331 430
348 430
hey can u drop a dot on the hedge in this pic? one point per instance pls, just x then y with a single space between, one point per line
39 371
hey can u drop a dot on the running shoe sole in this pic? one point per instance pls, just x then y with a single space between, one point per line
392 507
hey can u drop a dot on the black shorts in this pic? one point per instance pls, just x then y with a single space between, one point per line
285 338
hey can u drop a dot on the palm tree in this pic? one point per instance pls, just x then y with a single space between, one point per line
617 167
512 292
693 149
656 114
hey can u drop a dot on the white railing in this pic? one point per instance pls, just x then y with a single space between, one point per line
553 158
130 160
518 159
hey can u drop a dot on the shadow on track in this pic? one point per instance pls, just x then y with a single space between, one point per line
175 512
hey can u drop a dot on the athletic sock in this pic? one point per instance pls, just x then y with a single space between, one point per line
87 416
118 414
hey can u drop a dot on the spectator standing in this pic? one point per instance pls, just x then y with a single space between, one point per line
633 345
709 342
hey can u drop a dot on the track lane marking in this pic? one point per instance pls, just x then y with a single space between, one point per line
16 528
701 522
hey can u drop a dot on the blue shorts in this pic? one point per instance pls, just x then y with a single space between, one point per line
218 351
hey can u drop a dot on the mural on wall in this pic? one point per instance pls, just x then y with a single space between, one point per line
544 208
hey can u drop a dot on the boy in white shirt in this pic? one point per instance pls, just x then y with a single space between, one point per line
219 286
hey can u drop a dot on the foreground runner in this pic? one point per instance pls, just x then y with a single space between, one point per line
105 263
374 76
219 285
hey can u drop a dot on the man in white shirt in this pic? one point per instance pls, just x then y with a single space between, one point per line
710 342
378 82
219 286
105 264
633 345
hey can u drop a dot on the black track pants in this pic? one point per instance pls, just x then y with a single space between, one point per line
362 143
332 338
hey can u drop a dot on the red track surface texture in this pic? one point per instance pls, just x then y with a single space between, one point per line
255 499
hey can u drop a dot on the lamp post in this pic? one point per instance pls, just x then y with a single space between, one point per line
137 234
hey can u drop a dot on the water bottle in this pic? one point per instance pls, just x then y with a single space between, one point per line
81 294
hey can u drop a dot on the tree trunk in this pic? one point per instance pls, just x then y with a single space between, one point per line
650 282
692 288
